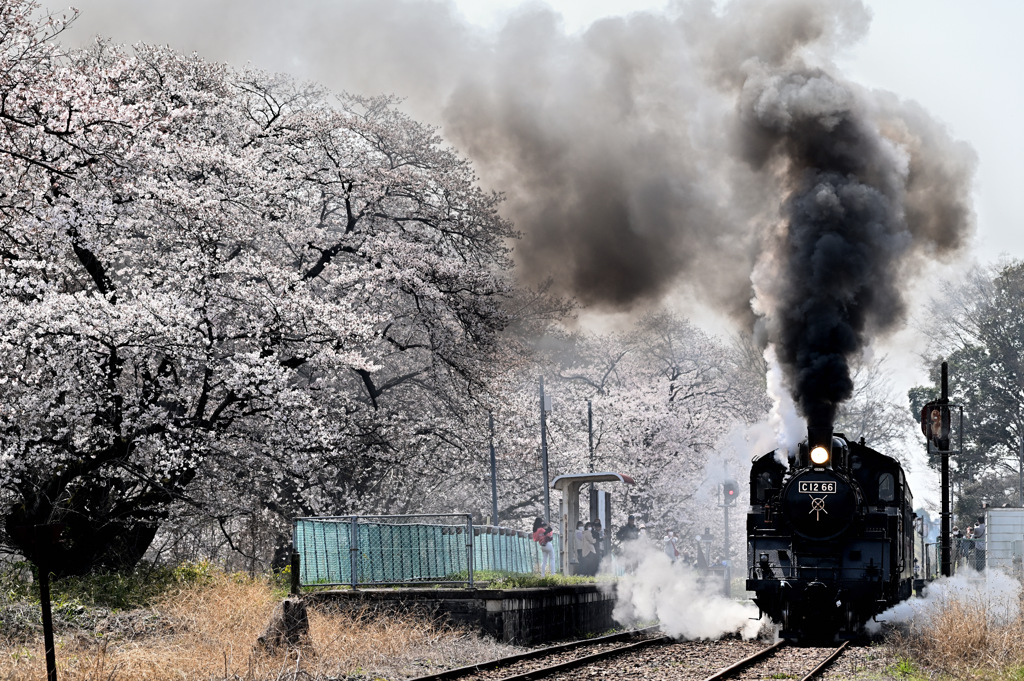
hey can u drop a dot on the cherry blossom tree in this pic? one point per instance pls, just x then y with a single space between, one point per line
662 394
223 291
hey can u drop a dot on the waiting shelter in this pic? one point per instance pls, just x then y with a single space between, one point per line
570 486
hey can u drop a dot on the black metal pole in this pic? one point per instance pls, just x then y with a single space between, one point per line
590 434
544 453
923 563
494 477
725 537
44 598
944 452
296 574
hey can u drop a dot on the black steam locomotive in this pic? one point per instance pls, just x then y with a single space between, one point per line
829 536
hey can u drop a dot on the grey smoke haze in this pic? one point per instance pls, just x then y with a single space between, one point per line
714 152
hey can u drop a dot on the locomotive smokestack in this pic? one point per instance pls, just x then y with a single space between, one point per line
819 435
819 443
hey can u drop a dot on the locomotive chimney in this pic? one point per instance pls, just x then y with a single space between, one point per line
819 443
819 434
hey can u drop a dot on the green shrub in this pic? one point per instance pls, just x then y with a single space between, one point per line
115 590
14 587
905 669
519 580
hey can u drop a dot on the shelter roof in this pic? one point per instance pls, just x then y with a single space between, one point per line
562 482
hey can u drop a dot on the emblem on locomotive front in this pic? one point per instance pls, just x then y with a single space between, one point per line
817 507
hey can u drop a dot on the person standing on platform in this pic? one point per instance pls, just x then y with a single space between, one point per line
979 544
538 522
956 550
589 560
543 536
670 541
627 535
598 532
628 532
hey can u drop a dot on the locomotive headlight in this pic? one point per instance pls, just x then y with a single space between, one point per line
820 456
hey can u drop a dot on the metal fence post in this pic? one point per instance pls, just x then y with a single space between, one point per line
295 550
296 567
469 546
353 551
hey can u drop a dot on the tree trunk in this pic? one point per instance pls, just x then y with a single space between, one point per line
87 544
288 626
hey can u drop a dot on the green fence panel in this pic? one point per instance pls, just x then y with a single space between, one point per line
402 549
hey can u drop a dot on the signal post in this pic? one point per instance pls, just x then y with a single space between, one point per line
730 490
936 426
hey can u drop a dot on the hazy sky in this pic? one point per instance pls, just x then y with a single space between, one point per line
959 60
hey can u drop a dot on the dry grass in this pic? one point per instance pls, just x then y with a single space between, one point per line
208 632
962 639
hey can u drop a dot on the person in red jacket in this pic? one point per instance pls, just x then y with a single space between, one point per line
543 536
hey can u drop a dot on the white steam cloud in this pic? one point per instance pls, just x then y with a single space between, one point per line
787 424
991 592
685 604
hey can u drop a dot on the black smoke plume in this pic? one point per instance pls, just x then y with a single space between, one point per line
852 229
708 154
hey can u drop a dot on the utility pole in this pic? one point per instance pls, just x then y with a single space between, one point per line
590 433
590 451
730 491
494 476
944 450
545 406
1020 476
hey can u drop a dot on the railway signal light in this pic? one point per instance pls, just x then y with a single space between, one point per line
935 423
730 491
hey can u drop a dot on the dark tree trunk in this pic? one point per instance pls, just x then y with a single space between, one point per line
288 626
109 523
87 543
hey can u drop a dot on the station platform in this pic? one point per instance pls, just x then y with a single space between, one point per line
529 616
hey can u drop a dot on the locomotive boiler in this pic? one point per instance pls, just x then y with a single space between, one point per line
829 536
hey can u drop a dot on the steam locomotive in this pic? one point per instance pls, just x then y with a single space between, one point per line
829 536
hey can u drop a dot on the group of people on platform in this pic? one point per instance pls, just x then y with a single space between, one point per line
590 547
589 544
969 545
589 537
589 551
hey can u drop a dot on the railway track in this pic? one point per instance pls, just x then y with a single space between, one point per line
782 659
553 659
649 655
